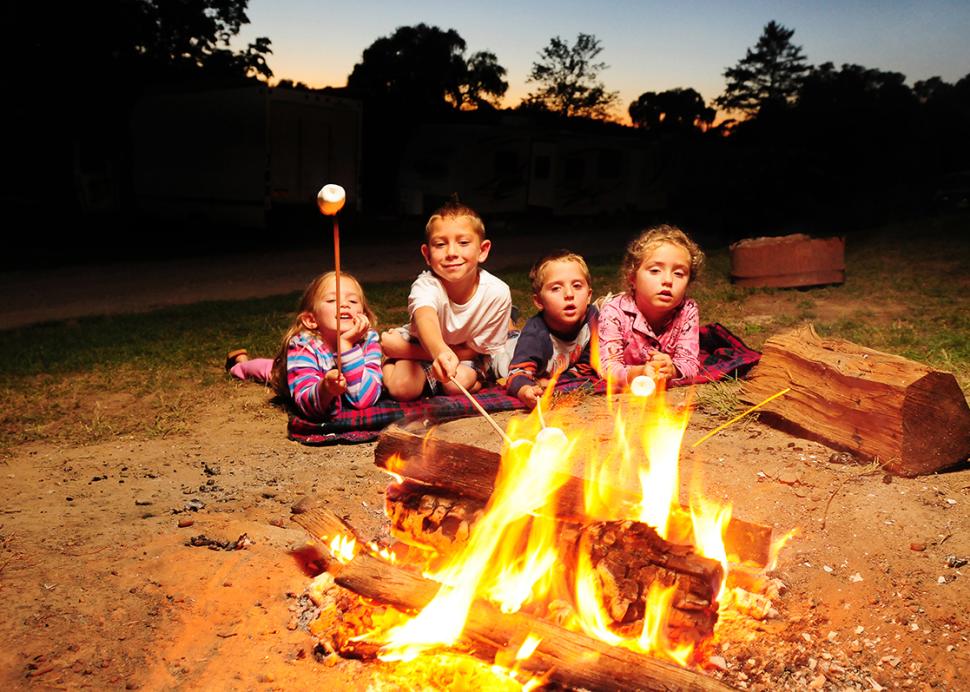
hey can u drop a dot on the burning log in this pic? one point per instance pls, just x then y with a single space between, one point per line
627 557
568 658
910 417
455 470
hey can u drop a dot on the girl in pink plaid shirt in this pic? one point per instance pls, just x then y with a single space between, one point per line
652 328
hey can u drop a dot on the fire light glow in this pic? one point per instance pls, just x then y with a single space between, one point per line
516 555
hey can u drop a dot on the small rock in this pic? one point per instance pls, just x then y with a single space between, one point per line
827 569
718 662
918 547
142 503
855 578
304 504
267 677
276 521
817 683
185 521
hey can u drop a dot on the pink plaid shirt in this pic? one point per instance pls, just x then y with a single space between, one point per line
626 338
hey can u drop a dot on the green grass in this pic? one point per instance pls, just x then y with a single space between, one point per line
906 292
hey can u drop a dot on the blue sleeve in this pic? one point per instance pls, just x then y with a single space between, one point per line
532 353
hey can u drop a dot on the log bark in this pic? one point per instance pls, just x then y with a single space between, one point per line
568 658
627 558
909 417
467 471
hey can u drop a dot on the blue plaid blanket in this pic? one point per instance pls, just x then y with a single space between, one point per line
722 354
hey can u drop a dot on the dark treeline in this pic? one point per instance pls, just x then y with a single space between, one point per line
816 148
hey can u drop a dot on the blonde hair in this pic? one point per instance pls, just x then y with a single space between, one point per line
456 210
311 295
537 274
649 240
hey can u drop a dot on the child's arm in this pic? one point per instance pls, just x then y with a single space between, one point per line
396 346
312 380
613 338
429 332
532 353
362 370
686 351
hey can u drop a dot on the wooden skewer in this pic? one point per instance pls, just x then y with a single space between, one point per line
498 428
740 416
336 284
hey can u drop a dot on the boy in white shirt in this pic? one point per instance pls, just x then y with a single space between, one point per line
459 312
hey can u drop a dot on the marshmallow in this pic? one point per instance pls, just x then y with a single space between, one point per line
643 385
331 199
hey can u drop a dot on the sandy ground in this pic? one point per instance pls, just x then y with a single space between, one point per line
99 587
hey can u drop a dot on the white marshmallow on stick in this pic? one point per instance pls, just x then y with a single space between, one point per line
643 385
330 200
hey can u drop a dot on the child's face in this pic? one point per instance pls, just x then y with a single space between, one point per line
454 250
323 317
564 296
660 283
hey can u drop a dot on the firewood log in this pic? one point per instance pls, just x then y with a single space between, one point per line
466 471
627 557
909 417
570 659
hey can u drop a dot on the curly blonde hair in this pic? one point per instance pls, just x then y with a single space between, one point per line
649 240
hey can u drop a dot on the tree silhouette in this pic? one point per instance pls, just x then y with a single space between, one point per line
569 79
768 76
424 68
674 109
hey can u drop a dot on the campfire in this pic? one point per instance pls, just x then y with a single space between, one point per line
567 558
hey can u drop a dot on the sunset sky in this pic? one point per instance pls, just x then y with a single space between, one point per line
649 46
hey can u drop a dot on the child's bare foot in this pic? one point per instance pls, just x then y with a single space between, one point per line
238 355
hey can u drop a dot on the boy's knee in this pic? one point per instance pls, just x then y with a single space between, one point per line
402 381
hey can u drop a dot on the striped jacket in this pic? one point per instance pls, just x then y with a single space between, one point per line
308 358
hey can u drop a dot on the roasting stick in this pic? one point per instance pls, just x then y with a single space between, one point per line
478 406
739 417
331 199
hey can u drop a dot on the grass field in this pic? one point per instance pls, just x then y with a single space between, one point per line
906 292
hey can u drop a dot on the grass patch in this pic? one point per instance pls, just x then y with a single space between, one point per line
85 380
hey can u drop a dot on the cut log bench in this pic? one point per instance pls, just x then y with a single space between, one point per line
911 418
788 261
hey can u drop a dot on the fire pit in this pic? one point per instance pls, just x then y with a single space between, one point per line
568 558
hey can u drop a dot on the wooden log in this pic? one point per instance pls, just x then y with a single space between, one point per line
909 417
788 261
469 471
627 558
567 658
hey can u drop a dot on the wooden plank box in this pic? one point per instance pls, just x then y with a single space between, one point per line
788 261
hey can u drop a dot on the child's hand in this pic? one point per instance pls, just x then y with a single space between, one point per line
354 332
445 365
529 394
662 365
334 382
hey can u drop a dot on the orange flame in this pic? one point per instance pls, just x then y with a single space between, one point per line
513 557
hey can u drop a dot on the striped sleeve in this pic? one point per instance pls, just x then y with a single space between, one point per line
305 369
362 368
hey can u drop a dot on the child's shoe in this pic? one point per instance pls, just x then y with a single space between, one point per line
239 355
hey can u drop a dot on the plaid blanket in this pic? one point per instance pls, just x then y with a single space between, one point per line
722 354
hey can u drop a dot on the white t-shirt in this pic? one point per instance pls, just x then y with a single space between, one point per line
482 323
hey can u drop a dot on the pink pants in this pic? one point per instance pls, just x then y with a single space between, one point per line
254 370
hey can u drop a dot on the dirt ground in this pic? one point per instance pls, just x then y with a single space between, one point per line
100 587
